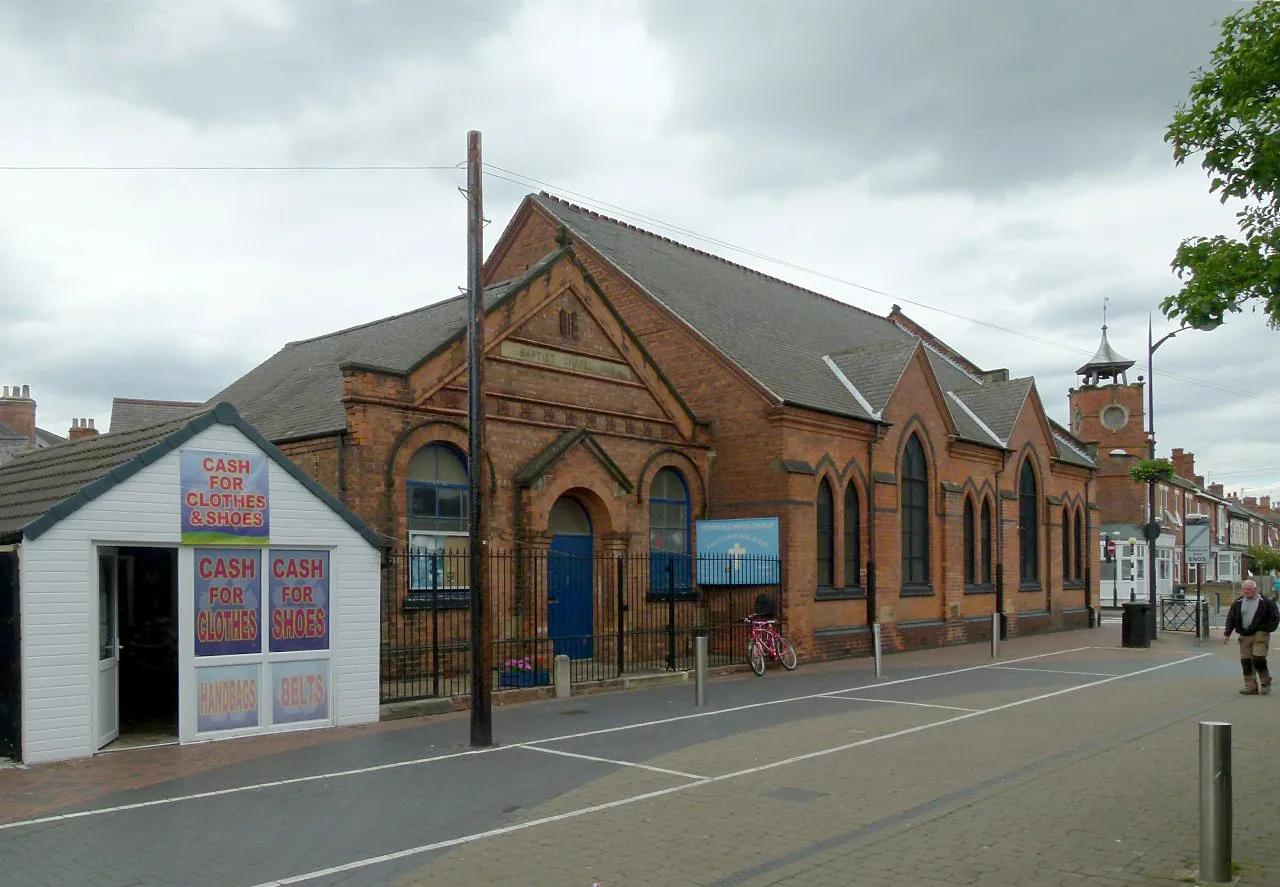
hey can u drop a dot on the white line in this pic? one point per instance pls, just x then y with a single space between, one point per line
750 771
724 711
1089 674
571 754
898 702
360 771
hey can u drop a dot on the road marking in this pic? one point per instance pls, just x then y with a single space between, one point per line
750 771
572 754
898 702
376 768
1090 674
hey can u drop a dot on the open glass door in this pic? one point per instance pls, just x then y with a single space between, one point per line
108 690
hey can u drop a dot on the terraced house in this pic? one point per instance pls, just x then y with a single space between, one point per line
634 385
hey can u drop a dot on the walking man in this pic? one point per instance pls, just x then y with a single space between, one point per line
1253 618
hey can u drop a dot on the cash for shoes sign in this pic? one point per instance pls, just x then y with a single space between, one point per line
224 498
299 589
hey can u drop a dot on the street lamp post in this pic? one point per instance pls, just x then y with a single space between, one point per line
1152 529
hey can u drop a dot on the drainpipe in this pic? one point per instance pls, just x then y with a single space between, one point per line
342 468
999 530
1090 548
871 527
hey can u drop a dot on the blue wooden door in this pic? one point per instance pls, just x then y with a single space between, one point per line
569 600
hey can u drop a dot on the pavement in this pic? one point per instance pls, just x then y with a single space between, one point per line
1066 761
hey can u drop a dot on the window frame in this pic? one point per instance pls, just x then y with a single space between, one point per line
659 557
852 527
914 520
1029 528
427 585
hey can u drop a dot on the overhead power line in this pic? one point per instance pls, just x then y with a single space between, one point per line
390 167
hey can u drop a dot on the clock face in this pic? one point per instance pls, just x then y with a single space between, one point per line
1076 420
1114 417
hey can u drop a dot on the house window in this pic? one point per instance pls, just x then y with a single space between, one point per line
1066 545
986 542
914 488
1078 550
1029 526
437 516
852 538
669 532
970 544
568 324
826 535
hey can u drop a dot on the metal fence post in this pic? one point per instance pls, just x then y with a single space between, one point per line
622 610
1215 801
875 640
995 634
671 614
700 670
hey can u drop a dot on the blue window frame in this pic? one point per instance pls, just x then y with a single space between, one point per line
670 542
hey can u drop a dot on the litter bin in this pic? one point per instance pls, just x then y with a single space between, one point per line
1133 625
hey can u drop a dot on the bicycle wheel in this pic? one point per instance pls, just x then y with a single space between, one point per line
756 657
786 654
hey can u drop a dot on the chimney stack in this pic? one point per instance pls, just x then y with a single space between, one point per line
82 428
1250 502
18 411
1184 463
1266 503
1215 490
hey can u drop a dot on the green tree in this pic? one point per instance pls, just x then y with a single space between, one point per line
1263 560
1232 118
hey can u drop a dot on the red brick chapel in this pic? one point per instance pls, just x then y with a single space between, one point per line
635 385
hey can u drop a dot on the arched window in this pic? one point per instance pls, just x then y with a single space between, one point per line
970 544
826 535
914 489
1077 550
987 539
852 538
669 532
1067 560
1028 524
437 518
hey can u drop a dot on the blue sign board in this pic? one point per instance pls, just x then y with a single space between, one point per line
738 552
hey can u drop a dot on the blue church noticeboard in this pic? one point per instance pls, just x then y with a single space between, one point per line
738 552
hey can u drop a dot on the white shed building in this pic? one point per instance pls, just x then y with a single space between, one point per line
178 583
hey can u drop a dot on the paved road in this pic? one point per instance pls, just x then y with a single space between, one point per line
1070 761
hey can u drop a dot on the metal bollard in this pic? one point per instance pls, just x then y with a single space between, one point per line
1215 801
995 635
875 640
700 670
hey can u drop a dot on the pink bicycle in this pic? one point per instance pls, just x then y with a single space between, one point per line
768 640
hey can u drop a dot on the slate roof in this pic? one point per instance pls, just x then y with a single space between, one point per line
1105 360
128 413
998 404
297 392
41 487
48 438
7 433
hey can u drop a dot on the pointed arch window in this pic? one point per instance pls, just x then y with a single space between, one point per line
439 566
914 490
1077 550
852 537
970 544
1028 527
826 535
1067 560
988 537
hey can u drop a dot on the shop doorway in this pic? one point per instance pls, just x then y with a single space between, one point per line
138 647
10 675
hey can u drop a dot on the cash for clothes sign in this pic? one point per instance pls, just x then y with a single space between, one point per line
225 498
227 697
738 552
299 592
228 601
300 691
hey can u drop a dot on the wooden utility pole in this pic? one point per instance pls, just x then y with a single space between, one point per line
481 630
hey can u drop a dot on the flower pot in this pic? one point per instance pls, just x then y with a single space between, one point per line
524 678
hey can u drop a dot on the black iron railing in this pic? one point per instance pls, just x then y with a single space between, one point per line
610 614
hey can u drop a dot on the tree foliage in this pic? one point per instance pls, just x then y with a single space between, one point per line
1232 118
1144 471
1263 560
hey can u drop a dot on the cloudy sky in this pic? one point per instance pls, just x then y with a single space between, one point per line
992 165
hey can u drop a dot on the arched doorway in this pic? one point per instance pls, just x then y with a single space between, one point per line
570 604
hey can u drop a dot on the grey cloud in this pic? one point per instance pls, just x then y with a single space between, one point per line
335 49
982 96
